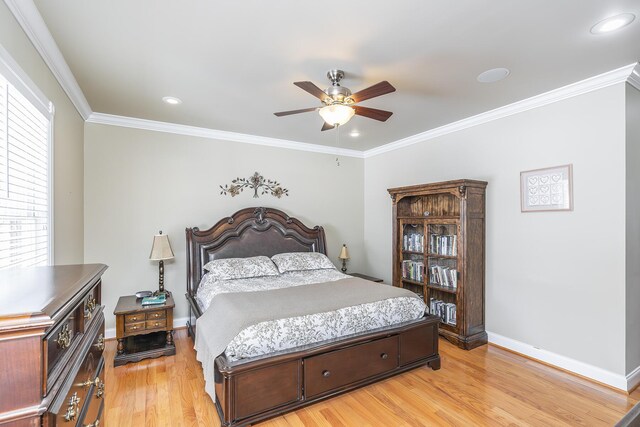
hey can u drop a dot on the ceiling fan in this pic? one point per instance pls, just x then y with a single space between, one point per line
339 103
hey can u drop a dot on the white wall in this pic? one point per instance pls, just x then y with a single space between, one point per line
633 229
68 143
138 182
554 280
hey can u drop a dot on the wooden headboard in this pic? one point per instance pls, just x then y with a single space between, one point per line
248 232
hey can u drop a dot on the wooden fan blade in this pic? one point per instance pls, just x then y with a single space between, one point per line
312 89
288 113
372 113
381 88
326 126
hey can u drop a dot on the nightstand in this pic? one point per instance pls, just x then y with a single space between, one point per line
143 332
365 277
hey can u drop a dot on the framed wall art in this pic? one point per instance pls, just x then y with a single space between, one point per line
548 189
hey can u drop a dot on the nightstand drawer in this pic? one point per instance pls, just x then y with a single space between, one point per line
152 315
132 318
155 324
134 327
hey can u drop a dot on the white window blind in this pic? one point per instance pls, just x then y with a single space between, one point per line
25 205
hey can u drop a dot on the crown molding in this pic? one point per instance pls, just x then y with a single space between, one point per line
36 29
601 81
29 18
634 77
131 122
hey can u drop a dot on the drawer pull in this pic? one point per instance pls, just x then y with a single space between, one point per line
133 319
384 356
157 323
100 343
89 383
87 314
72 409
91 303
64 337
134 328
326 374
96 423
100 391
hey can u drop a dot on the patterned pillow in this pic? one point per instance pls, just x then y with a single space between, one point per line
240 268
300 261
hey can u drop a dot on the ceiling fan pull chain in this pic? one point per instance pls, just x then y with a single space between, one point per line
337 144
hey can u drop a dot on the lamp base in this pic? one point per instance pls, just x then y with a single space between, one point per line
166 293
344 266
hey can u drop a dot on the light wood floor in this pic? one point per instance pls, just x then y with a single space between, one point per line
485 386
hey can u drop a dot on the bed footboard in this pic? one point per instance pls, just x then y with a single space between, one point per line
253 391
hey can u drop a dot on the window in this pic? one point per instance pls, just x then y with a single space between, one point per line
25 170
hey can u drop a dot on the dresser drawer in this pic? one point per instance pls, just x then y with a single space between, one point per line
133 328
156 324
133 318
152 315
58 342
328 371
95 398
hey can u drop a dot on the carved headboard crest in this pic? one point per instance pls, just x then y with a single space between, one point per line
248 232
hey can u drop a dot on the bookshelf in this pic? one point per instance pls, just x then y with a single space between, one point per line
438 253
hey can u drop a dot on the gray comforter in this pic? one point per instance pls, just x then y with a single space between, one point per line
230 313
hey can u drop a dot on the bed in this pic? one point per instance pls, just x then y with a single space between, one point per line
257 386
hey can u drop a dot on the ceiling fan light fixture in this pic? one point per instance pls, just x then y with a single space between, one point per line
336 114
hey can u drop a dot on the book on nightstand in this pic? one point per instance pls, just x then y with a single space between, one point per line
157 300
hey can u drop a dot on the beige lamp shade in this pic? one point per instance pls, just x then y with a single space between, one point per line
344 254
161 248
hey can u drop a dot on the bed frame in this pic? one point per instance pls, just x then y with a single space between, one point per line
262 387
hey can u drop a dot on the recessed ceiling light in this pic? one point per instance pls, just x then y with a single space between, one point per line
493 75
172 100
613 23
354 133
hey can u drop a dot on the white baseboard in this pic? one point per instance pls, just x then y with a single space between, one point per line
633 379
598 374
177 323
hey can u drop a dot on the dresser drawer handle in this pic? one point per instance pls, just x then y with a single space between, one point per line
100 391
100 343
134 328
91 303
157 324
133 319
384 356
72 409
64 337
326 374
96 423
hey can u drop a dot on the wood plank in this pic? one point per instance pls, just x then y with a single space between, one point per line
484 386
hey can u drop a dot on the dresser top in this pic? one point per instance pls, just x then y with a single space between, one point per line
38 295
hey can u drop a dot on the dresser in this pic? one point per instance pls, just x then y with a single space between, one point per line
51 346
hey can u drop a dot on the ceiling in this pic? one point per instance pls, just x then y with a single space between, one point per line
233 63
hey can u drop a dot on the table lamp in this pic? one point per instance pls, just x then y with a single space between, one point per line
160 251
344 256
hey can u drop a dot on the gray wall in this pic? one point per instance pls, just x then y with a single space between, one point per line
138 182
555 280
68 143
633 229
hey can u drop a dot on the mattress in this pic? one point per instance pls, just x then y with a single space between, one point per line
283 334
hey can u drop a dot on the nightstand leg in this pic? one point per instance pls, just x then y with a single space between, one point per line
120 345
169 337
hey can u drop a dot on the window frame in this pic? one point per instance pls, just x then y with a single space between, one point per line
16 76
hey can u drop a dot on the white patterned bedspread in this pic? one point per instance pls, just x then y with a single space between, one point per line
276 335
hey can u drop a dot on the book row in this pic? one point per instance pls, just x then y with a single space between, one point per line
412 270
443 276
413 242
443 244
445 310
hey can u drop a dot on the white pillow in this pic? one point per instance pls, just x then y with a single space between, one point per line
241 268
301 261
